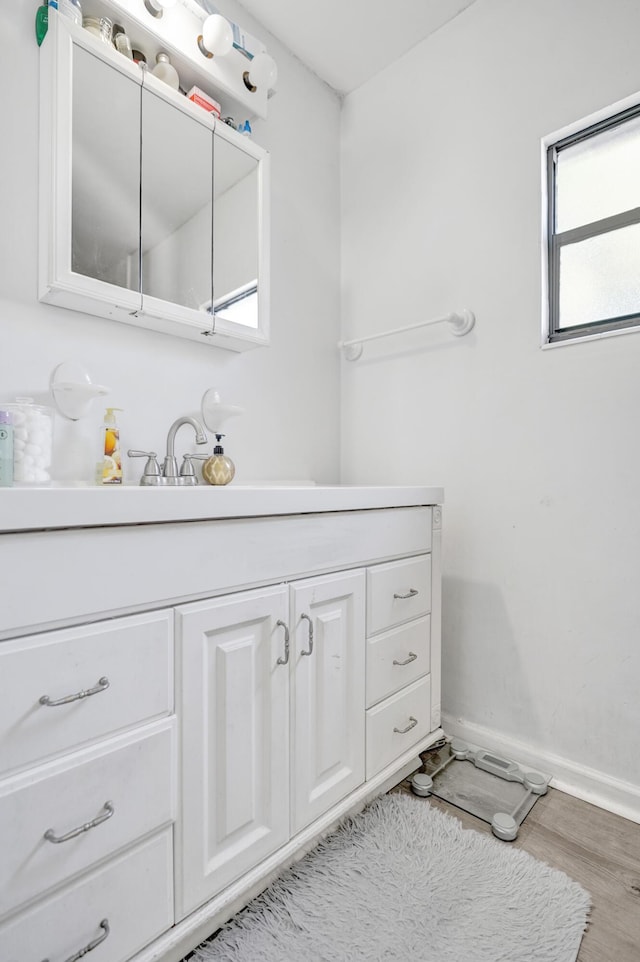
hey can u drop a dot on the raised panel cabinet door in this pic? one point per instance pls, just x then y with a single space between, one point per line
233 700
328 693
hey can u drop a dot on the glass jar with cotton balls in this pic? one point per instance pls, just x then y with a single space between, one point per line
32 440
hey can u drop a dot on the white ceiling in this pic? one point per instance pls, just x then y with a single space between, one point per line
346 42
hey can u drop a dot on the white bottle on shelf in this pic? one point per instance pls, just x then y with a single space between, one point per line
165 71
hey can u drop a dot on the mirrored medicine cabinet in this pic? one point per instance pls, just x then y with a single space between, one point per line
151 212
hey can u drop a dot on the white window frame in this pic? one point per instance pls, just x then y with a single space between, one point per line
551 242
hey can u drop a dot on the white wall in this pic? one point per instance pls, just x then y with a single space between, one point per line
290 391
538 451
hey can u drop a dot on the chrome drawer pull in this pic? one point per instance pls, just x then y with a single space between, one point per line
91 946
411 593
51 836
407 661
412 724
283 661
103 684
310 651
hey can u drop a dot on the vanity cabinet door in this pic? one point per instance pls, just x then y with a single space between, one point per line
234 702
328 693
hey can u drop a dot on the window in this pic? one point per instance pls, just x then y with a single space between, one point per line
593 184
240 306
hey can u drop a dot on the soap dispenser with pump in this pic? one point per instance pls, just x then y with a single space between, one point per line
219 469
112 463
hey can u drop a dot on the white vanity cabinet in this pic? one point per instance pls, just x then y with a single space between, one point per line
248 679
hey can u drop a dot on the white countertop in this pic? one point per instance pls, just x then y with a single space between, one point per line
77 506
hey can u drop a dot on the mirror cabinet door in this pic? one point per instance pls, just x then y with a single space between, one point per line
105 182
177 231
235 234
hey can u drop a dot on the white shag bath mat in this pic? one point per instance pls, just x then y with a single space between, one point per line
402 881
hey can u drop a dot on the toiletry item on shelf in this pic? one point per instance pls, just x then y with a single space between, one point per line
245 129
32 440
219 469
6 449
68 8
165 71
100 27
202 99
140 58
121 41
112 464
42 22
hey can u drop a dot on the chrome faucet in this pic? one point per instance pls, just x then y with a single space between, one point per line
170 465
168 475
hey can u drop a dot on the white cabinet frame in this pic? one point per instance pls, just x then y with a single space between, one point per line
57 282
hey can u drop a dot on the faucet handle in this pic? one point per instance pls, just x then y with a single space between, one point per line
186 469
151 469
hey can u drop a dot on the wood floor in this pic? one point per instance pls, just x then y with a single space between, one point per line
599 850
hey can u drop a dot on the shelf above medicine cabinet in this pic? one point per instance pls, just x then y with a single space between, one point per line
152 212
177 32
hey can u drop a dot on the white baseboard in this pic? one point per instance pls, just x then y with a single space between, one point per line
588 784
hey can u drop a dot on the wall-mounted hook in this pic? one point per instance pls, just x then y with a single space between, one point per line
73 390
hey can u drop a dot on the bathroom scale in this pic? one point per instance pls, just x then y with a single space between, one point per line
483 783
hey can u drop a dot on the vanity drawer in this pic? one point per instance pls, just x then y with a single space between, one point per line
410 712
132 892
398 592
133 778
135 655
396 658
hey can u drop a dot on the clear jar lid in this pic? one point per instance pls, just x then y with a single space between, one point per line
100 26
26 404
